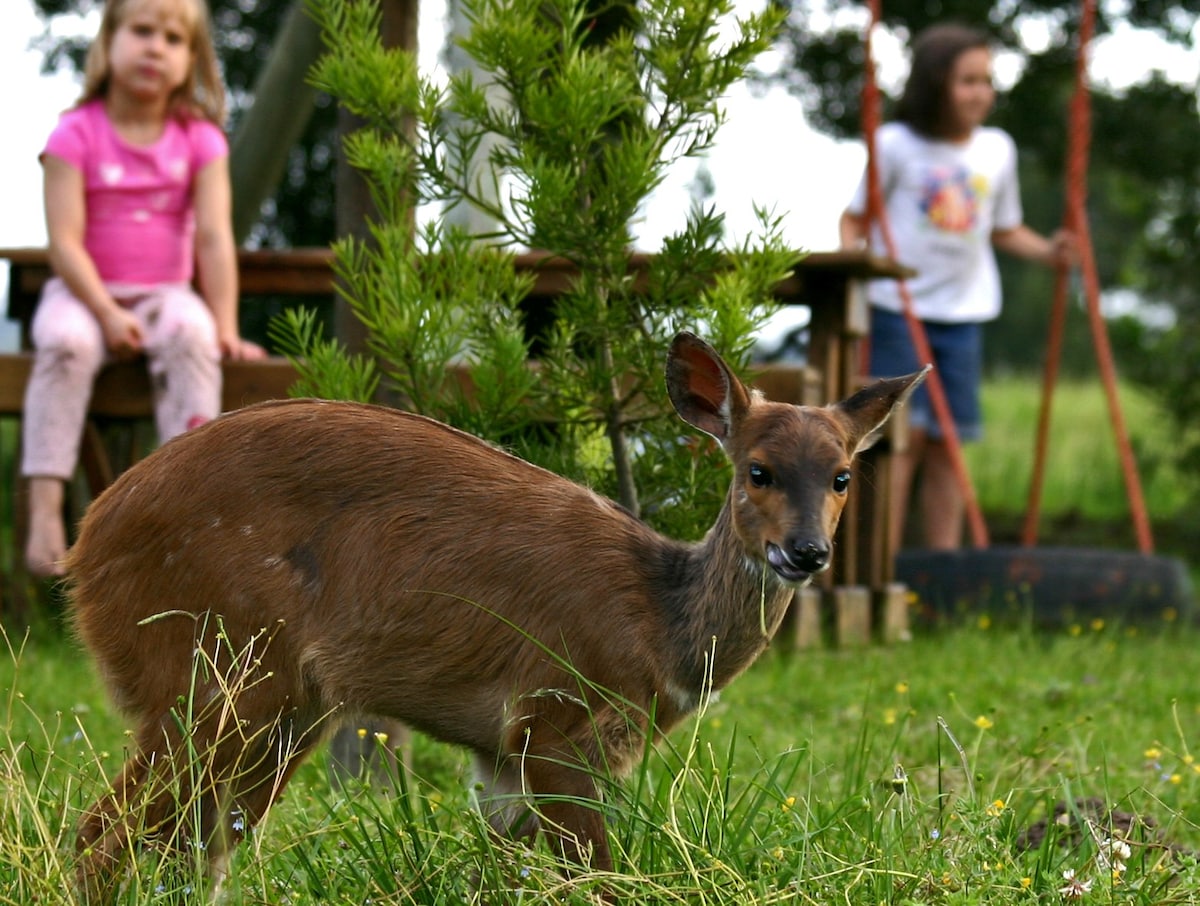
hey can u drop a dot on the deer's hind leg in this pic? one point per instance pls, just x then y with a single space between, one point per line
191 794
106 831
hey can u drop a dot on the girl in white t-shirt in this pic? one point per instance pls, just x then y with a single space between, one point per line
950 187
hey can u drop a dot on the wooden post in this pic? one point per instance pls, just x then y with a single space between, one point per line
808 618
853 606
893 608
398 29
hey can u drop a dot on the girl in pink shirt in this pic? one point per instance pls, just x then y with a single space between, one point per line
137 196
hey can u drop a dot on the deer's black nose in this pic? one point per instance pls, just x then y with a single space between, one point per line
811 556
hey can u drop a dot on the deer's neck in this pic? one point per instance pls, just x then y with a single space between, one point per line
724 608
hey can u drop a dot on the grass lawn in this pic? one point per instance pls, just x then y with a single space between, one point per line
1083 476
907 774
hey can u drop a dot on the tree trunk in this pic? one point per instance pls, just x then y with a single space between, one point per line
399 29
283 103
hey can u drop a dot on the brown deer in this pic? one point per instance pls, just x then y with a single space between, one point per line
295 561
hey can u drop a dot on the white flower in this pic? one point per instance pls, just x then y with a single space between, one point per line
1075 888
1112 854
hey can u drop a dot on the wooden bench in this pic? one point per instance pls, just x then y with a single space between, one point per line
830 284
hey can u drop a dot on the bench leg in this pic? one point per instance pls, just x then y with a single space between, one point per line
15 602
94 459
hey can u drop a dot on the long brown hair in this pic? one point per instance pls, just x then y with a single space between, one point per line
923 103
202 93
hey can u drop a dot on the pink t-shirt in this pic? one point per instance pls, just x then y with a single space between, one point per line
140 218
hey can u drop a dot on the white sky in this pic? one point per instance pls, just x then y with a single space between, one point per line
765 154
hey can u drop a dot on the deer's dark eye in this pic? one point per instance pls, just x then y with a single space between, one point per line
841 482
760 476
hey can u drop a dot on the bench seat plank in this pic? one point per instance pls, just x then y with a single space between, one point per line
123 390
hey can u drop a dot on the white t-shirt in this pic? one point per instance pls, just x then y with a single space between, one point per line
943 202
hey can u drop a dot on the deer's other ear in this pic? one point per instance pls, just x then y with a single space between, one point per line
705 393
865 413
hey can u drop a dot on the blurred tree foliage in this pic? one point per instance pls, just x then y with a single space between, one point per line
591 113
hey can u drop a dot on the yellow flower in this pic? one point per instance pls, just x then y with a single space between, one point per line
381 738
1189 758
889 716
983 722
1026 883
1075 629
788 803
902 688
1176 779
1097 624
777 852
985 621
996 808
1153 753
362 732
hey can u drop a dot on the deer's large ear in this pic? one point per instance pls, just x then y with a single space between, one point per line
865 413
705 393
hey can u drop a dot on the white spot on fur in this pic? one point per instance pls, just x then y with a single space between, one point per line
687 700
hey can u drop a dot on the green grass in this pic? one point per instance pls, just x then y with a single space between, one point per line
1083 476
886 775
902 774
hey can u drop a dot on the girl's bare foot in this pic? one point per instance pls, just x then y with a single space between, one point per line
47 543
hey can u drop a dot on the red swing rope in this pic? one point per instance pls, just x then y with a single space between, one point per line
1075 220
877 215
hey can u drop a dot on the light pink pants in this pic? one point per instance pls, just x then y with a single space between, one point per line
180 341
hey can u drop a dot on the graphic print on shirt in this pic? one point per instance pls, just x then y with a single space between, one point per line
950 199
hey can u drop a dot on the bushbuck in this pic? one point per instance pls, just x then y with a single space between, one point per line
296 561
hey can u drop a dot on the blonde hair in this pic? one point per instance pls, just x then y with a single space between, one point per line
202 93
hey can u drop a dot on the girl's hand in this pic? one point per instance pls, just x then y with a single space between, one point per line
240 350
122 333
1064 249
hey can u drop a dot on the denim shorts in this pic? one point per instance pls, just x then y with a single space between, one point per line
957 357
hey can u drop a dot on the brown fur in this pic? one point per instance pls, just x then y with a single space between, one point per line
296 560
